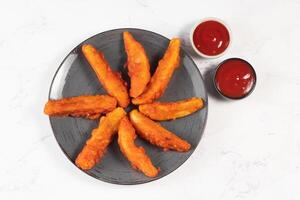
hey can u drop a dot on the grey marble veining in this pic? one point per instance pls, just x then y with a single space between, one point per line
250 148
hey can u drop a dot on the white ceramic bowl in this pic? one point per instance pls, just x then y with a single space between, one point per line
192 34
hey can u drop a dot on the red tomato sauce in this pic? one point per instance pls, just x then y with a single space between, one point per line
235 78
211 38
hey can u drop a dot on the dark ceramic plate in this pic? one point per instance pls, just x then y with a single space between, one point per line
75 77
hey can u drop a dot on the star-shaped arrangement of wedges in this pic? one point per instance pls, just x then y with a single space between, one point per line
144 90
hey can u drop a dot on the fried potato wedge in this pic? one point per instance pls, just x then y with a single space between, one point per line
162 75
136 155
137 64
111 81
171 110
89 107
96 145
156 134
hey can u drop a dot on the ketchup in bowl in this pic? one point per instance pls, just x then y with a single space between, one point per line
235 78
210 38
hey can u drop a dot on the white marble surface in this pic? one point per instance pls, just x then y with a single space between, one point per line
250 149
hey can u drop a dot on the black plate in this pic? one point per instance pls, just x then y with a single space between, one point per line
75 77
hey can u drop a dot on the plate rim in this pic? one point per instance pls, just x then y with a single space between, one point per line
183 49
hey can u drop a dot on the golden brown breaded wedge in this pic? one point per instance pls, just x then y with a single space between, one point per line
82 106
138 65
136 155
96 145
111 81
171 110
162 75
156 134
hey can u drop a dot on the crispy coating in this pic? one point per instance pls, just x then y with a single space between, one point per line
111 81
162 75
90 107
171 110
136 155
138 65
96 145
156 134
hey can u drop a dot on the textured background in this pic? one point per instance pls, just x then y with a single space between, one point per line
250 148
